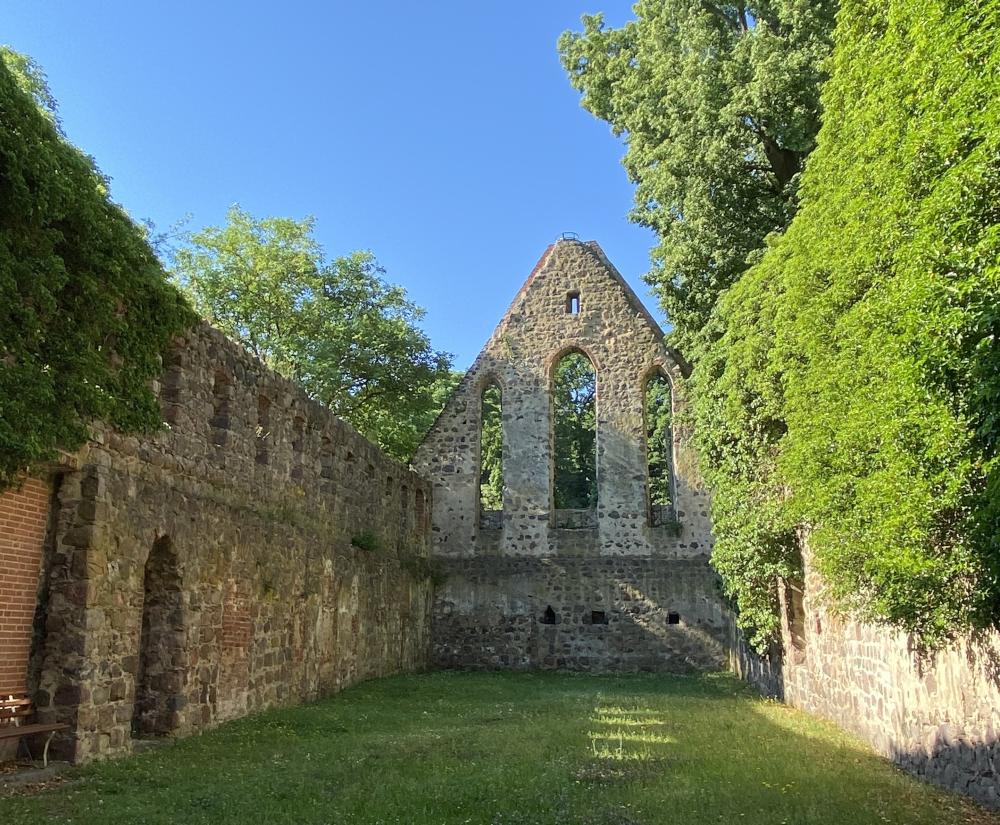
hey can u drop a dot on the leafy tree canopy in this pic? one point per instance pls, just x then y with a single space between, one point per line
719 105
852 396
85 308
350 339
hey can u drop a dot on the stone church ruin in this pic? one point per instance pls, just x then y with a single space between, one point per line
258 552
613 586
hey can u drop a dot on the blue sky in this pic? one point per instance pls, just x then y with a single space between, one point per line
444 137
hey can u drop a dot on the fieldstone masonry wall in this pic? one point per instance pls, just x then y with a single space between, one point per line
207 571
491 610
938 718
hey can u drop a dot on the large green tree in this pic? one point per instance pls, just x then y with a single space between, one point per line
85 307
718 104
334 326
852 396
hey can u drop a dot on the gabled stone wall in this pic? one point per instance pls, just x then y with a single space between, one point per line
491 609
207 571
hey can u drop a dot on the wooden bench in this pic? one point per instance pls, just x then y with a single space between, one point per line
15 711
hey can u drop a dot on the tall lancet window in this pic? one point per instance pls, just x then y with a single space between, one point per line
491 458
659 450
574 440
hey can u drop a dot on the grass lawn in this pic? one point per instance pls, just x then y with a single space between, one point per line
507 749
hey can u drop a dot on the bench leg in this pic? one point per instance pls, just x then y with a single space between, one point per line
45 753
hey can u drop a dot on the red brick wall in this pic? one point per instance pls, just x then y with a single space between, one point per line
23 519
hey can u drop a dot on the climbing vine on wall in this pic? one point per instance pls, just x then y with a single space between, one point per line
85 310
853 396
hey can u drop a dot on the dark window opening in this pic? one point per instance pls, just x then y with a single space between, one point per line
222 393
795 617
573 303
659 451
326 460
598 617
170 390
298 448
419 508
574 441
263 429
491 458
549 616
673 617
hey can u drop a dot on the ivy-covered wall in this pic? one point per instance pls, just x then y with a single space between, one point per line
853 391
85 308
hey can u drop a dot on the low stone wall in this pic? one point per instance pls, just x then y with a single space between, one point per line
208 570
937 717
591 614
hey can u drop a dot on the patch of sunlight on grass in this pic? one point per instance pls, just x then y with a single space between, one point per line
632 736
627 722
618 709
621 754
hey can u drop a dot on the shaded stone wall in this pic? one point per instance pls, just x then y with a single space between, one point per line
571 613
499 576
207 571
937 717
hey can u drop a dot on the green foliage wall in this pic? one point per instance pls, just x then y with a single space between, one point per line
85 310
854 394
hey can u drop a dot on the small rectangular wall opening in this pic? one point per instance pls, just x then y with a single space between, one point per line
598 617
263 432
326 460
298 448
549 616
573 303
673 617
795 617
222 391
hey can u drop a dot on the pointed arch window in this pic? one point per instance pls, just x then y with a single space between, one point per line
491 457
659 450
574 441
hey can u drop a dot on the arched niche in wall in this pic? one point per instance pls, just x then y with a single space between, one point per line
491 456
574 440
658 424
159 679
